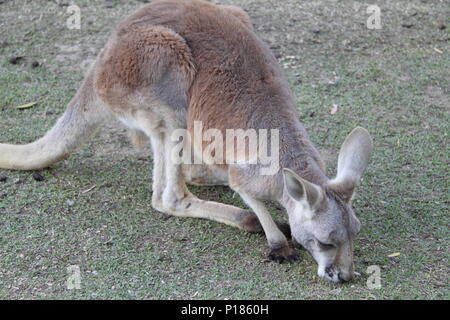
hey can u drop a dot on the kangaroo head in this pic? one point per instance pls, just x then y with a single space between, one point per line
321 217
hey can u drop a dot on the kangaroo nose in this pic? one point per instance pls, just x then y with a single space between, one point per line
345 276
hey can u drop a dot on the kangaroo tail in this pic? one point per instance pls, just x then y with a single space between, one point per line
79 122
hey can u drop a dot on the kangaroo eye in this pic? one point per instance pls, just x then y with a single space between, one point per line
326 246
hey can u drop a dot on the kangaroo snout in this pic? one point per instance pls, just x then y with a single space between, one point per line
335 274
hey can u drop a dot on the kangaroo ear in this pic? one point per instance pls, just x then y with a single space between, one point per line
353 160
300 189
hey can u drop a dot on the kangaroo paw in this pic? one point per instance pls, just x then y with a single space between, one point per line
283 255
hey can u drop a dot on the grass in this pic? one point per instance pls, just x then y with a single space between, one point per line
125 249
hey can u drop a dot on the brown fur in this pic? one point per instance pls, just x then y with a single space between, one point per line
175 62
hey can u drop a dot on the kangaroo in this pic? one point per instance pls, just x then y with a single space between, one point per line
176 62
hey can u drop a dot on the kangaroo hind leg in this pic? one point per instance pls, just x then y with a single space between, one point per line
145 76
